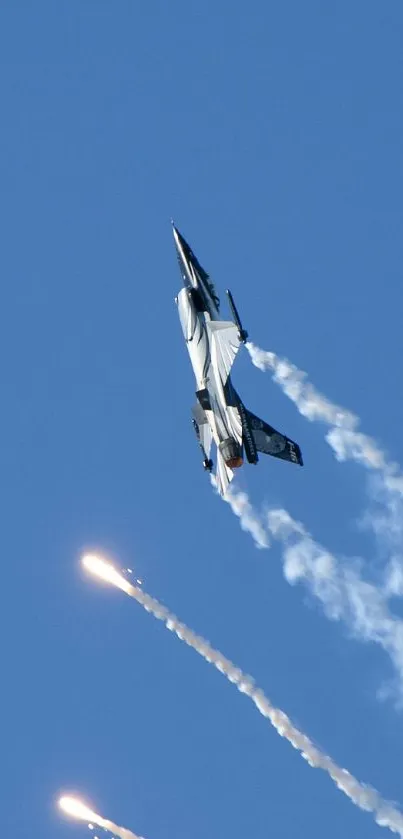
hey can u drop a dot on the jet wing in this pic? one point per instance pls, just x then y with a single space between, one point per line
204 429
225 344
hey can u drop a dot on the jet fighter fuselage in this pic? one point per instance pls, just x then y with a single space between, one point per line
219 415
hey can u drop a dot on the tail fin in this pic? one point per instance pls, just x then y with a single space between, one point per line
269 441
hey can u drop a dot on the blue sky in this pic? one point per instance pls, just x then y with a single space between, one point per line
272 134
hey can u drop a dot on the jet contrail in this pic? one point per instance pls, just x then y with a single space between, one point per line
340 587
78 810
347 442
249 519
365 797
343 592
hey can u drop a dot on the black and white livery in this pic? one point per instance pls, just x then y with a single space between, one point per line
219 415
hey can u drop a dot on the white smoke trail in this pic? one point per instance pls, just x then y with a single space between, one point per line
340 587
365 797
249 519
78 810
347 442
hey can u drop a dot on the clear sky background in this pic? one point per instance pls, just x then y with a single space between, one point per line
272 134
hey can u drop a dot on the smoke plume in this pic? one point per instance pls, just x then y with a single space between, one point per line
365 797
346 442
78 810
340 587
385 517
248 518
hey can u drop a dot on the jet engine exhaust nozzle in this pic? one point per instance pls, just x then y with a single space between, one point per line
232 453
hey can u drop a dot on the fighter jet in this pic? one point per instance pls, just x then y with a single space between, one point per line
219 414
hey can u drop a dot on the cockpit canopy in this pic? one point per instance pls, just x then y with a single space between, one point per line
188 262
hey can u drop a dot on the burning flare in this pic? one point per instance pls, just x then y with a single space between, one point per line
106 571
78 810
363 796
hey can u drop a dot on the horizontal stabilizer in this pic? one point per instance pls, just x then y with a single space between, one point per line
199 414
202 428
269 441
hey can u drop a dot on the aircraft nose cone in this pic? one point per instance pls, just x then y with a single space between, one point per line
176 234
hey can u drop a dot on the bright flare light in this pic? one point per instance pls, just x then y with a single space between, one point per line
76 808
106 571
367 798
